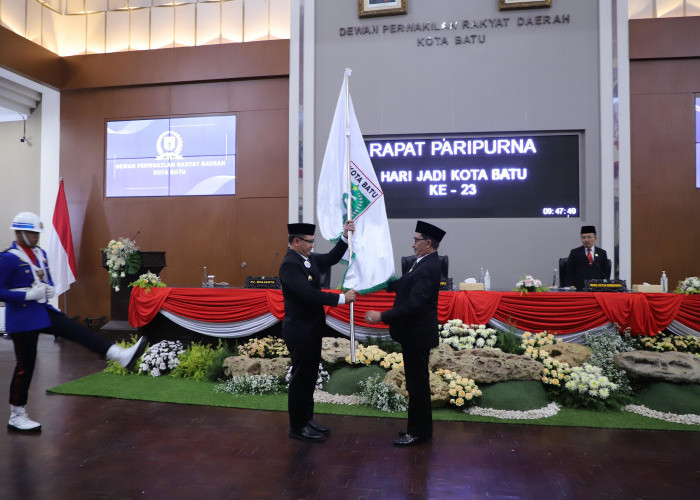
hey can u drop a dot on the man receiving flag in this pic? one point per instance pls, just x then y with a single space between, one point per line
348 169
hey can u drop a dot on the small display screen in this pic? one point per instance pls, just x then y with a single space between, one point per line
190 156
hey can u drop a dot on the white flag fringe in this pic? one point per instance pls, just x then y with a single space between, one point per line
372 262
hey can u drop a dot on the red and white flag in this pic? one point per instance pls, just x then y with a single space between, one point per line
60 250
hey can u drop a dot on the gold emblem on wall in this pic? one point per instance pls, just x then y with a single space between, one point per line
523 4
371 8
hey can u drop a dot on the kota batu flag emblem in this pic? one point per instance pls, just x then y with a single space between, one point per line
364 192
372 262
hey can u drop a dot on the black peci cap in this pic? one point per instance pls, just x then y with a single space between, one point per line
429 230
301 228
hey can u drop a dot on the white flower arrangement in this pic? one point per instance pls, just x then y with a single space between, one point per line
589 379
378 394
689 286
462 390
367 355
122 258
148 280
251 384
162 357
529 284
461 336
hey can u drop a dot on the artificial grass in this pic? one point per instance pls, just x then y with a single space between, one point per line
516 395
184 391
346 380
671 398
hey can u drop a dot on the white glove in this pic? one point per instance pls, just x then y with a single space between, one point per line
50 291
37 293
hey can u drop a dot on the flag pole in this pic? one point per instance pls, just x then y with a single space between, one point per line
348 71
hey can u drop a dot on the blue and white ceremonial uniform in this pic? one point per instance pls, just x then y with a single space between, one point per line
26 319
17 275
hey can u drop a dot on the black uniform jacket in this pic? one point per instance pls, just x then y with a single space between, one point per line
303 298
413 320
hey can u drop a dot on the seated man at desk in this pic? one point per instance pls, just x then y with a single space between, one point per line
587 262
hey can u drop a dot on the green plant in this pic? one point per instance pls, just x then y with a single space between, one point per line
195 362
116 368
604 346
386 344
509 342
216 367
376 393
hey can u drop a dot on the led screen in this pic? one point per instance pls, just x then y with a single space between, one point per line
191 156
478 176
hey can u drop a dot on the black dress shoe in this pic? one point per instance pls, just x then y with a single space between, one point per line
409 440
306 433
318 427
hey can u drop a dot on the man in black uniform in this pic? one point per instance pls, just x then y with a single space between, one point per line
587 262
413 323
304 321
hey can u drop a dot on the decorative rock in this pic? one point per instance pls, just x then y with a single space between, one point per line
485 366
676 367
439 395
334 350
245 365
568 352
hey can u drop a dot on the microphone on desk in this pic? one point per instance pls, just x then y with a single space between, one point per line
137 233
274 261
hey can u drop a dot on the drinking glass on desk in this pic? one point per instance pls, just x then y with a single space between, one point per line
210 281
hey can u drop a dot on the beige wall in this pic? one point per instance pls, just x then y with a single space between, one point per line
20 170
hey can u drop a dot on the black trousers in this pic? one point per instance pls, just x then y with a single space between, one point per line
420 413
25 351
305 351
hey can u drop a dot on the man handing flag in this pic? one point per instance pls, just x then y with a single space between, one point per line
371 264
60 249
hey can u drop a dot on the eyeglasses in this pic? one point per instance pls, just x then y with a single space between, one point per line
416 240
308 241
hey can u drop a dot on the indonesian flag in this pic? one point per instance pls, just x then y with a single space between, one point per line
372 264
60 250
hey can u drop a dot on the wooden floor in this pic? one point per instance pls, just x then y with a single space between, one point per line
94 448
